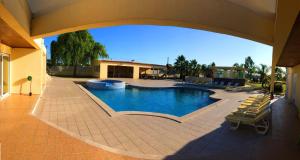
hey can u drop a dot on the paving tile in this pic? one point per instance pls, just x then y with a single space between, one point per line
204 136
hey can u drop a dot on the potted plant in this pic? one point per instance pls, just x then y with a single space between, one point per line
29 78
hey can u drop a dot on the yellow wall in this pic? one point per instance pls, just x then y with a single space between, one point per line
17 16
5 49
287 11
295 71
103 71
21 12
136 71
25 62
136 68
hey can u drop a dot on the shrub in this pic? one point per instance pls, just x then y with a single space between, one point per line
278 88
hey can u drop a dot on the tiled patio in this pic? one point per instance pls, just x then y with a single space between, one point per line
24 137
65 106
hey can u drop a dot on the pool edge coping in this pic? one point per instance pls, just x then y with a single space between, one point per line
112 113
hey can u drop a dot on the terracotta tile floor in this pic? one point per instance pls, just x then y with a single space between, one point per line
23 137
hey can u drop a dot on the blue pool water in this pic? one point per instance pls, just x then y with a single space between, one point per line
173 101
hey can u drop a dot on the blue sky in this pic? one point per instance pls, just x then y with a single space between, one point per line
154 44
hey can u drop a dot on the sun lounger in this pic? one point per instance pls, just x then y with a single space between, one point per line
259 122
254 114
257 101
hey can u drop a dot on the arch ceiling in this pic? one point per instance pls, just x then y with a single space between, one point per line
251 19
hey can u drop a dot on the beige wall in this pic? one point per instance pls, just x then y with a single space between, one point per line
25 62
294 86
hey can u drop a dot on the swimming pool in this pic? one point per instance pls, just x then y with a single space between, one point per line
176 101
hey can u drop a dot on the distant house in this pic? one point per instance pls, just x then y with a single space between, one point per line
229 72
128 69
229 76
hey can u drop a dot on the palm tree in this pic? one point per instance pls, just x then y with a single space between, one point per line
263 71
194 68
204 69
249 67
181 66
211 69
279 74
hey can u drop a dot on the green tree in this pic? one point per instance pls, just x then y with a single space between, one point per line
181 66
238 69
54 53
211 69
279 74
249 67
263 71
204 70
76 49
98 51
194 68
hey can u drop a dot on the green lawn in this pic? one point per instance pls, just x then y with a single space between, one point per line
258 86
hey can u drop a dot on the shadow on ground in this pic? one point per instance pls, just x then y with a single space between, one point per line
222 143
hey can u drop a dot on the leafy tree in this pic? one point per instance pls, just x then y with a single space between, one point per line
181 66
54 55
238 68
204 70
279 74
194 68
211 69
263 71
76 49
250 67
98 50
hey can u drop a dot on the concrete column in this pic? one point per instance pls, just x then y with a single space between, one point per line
136 72
289 84
272 76
103 71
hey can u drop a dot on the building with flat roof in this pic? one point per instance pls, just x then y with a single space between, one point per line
127 69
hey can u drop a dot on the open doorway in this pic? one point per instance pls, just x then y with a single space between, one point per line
120 72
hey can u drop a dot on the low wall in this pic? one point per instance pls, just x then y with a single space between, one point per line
241 82
67 71
192 79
